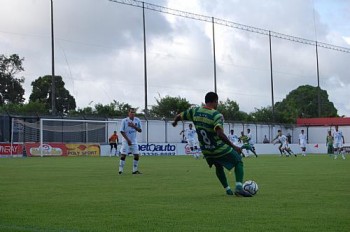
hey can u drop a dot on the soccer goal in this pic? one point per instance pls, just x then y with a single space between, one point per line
64 131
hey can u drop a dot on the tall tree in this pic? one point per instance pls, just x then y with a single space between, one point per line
11 90
42 93
230 111
303 102
264 114
169 106
113 109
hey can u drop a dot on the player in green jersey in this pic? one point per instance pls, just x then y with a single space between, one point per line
246 145
217 149
329 143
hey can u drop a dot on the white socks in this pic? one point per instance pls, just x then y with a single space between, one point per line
121 165
135 166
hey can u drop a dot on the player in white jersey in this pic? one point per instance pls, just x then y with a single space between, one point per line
250 141
302 142
338 143
191 139
130 125
233 138
284 147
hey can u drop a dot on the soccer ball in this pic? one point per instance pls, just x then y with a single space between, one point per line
251 186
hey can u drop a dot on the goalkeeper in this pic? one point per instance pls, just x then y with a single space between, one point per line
217 149
113 141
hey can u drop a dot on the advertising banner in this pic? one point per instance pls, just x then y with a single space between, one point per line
153 149
184 149
6 149
86 149
158 149
47 149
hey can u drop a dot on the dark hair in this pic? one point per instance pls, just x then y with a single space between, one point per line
279 131
211 97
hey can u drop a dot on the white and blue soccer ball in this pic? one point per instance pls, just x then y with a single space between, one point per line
251 186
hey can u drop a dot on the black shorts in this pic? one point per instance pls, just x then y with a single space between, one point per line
113 145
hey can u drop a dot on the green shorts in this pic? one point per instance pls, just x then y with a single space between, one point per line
330 149
247 147
228 161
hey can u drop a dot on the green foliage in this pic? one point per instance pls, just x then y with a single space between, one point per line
303 102
42 93
31 108
168 107
84 111
11 90
264 114
179 193
230 111
114 109
35 107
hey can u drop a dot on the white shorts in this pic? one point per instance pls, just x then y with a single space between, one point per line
302 144
132 149
191 142
284 145
338 145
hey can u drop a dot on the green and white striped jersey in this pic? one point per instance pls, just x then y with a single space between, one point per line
205 121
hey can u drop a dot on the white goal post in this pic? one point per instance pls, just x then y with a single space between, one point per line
66 131
84 131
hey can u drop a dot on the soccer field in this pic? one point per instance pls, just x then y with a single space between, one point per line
175 193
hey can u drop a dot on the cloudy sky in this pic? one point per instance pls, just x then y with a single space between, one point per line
99 49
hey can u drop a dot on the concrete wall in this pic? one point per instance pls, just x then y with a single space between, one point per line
161 131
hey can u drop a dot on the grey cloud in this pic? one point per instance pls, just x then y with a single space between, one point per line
99 51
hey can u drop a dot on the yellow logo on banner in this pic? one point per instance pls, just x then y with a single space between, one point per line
85 149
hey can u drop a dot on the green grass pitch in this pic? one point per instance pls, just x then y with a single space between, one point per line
175 193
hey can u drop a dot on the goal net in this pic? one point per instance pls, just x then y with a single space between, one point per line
61 131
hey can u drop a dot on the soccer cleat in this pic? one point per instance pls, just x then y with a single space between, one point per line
229 192
120 172
242 193
136 172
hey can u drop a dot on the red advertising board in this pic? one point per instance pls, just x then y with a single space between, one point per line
47 149
6 149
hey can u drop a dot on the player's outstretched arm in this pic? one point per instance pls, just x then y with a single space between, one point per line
176 119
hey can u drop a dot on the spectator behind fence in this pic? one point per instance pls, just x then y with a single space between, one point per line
266 140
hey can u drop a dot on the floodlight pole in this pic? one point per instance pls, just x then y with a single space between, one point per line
318 84
145 63
271 73
144 55
53 87
214 55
